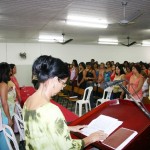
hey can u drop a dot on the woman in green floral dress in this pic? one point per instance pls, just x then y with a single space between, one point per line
45 125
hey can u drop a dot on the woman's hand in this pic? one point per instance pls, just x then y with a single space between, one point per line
10 122
77 128
94 137
98 136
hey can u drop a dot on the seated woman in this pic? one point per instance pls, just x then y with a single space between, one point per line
45 125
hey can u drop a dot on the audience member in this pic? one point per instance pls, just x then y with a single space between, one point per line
4 102
145 87
74 74
101 74
107 72
136 83
90 79
13 71
112 76
81 75
119 75
128 73
15 81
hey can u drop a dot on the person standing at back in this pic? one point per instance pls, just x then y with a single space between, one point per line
81 75
4 104
15 81
17 88
44 123
90 78
136 83
74 74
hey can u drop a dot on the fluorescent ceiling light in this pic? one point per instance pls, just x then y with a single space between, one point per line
86 22
146 43
48 38
108 41
111 43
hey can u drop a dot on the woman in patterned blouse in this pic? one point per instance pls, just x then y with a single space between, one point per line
45 125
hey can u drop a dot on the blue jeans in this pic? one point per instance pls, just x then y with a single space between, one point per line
3 143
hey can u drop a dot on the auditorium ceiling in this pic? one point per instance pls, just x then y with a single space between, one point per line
26 20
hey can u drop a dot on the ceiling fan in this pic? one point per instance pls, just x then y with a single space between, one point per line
64 41
130 19
128 44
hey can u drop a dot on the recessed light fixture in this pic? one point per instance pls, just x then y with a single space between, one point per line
108 41
86 22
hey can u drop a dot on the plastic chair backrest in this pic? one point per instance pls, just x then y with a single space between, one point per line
87 93
19 109
9 136
20 126
107 93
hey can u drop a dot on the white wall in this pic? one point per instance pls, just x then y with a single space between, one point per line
10 53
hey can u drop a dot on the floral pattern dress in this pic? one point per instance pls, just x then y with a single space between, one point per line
46 129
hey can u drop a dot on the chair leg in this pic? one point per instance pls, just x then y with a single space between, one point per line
80 110
97 102
89 106
86 107
76 108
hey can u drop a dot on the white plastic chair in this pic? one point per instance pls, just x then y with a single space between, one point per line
18 110
106 96
9 136
85 101
20 126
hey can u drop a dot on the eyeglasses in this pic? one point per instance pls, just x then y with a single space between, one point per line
61 81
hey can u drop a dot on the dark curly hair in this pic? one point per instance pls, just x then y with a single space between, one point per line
46 67
138 67
4 72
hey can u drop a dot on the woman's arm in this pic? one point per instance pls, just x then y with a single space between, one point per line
96 136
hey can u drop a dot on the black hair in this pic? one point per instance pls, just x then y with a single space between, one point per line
82 64
12 66
89 63
75 62
46 67
121 69
4 72
138 67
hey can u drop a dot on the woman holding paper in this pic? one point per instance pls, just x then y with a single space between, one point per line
45 125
